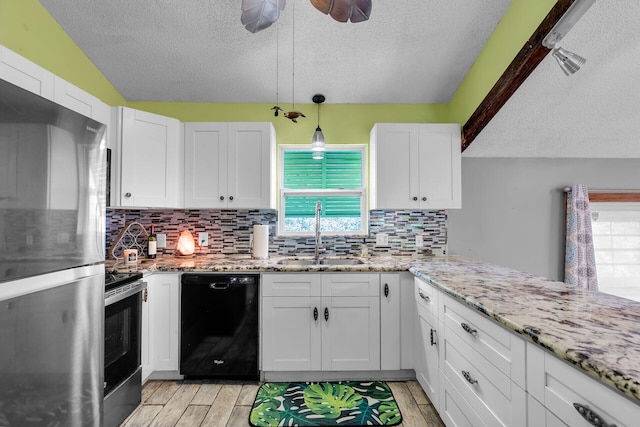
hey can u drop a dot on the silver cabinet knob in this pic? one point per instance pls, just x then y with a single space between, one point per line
127 194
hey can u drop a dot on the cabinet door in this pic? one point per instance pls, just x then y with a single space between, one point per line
163 290
395 166
390 321
205 147
23 73
440 167
350 333
151 160
426 299
249 171
291 334
74 98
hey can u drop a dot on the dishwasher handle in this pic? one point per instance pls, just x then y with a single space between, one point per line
219 286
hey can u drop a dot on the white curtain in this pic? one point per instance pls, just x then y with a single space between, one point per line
580 265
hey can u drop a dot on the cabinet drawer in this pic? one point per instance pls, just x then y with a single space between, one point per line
426 297
564 386
504 349
291 285
350 284
488 391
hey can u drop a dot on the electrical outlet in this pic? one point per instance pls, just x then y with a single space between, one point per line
382 239
203 238
162 240
419 241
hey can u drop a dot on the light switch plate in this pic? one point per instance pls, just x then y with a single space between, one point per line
203 238
382 239
162 240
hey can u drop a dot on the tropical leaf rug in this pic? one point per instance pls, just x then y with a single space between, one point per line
345 403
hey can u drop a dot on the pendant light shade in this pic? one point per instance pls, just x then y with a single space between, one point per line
317 142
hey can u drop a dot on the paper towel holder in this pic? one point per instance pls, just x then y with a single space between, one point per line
252 241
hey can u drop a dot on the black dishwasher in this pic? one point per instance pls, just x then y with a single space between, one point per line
219 326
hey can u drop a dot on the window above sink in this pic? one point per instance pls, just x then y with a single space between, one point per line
338 180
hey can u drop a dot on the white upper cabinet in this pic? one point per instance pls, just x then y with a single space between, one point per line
415 166
229 165
78 100
151 163
25 74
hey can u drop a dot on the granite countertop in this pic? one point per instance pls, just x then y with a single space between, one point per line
594 331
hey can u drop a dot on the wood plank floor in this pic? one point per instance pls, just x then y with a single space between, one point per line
182 404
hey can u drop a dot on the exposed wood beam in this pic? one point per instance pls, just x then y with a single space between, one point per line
527 59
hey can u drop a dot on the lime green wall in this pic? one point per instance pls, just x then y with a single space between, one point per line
514 29
340 123
29 30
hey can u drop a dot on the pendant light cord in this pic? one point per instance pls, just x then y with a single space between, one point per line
293 65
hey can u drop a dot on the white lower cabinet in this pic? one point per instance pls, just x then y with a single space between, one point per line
160 324
320 321
427 360
478 373
572 398
390 318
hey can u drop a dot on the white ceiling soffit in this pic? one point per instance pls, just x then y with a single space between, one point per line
594 113
408 52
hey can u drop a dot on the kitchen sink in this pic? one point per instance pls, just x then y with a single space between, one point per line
326 261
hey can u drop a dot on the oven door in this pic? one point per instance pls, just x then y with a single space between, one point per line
122 331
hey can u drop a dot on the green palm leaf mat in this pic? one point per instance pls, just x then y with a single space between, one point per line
344 403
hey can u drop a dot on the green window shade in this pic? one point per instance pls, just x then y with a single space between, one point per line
332 206
337 170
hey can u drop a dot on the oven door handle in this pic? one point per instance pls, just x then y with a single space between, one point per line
113 297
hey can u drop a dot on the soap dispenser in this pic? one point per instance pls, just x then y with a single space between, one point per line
364 251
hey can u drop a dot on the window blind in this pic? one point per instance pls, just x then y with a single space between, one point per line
337 170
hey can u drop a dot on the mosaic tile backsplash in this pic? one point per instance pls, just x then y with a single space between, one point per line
230 231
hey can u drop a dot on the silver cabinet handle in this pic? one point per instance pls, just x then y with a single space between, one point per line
467 376
432 337
386 290
127 194
424 199
221 198
315 313
468 328
415 199
231 198
592 417
326 314
423 296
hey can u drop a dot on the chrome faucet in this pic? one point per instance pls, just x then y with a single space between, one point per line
318 238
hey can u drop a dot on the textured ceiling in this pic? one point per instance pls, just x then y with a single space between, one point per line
408 52
593 113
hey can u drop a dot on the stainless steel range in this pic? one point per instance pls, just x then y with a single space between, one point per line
122 338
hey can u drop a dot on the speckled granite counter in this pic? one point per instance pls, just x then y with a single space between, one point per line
596 332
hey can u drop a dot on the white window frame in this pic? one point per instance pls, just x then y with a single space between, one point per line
361 192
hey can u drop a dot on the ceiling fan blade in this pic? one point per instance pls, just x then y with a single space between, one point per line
345 10
361 10
323 6
260 14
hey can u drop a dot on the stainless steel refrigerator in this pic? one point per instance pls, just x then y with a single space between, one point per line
52 225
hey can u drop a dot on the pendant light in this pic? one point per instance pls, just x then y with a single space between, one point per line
317 142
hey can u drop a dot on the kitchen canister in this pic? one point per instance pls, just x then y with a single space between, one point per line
260 245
